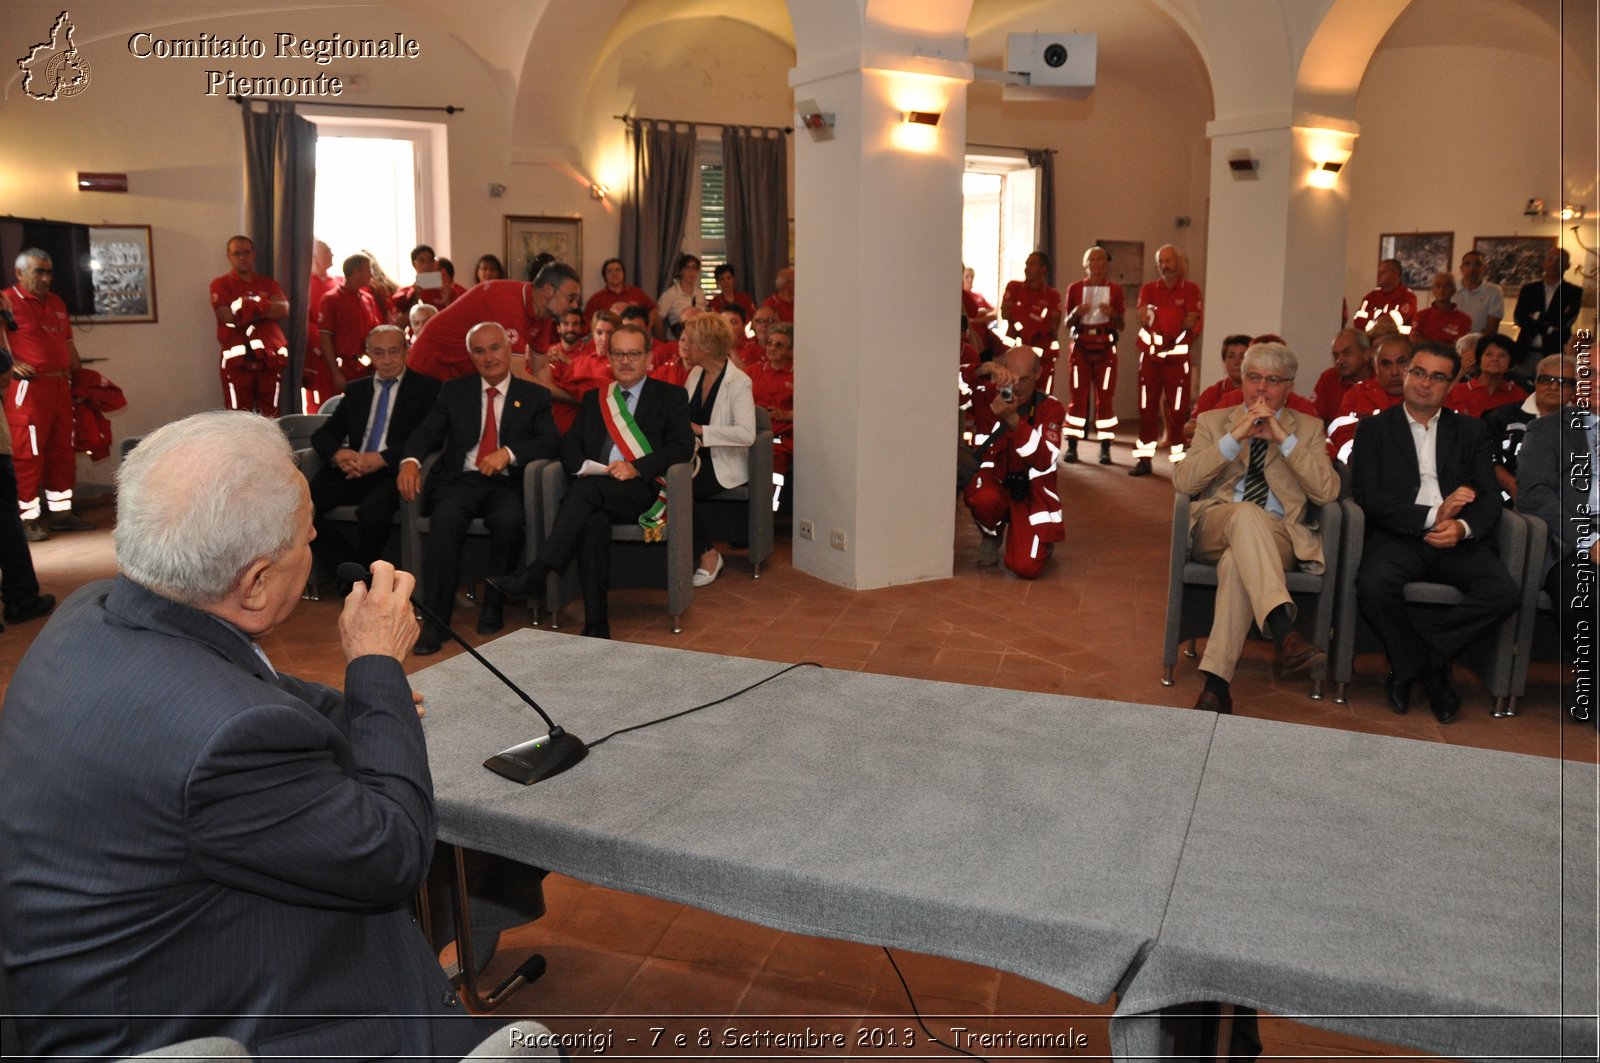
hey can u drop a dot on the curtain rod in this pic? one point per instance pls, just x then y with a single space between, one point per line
686 121
1010 147
447 109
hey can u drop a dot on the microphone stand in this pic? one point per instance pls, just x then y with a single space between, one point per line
528 762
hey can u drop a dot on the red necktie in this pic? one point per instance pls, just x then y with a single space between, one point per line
491 430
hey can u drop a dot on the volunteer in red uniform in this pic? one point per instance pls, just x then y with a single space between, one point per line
1442 322
781 302
1014 492
1389 299
981 316
1170 315
1095 313
248 307
1032 311
423 260
521 307
1352 363
728 294
39 399
618 290
1391 356
317 386
349 314
577 365
1491 387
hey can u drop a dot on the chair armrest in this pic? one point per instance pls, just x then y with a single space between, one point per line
309 462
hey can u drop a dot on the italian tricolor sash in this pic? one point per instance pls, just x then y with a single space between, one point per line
625 433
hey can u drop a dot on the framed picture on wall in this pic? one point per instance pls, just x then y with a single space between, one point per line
529 236
1420 255
124 271
1512 261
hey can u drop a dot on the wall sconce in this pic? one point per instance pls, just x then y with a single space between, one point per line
496 189
1325 174
102 182
1534 209
599 191
1244 166
1570 213
927 118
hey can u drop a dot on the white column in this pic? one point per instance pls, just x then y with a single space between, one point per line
878 253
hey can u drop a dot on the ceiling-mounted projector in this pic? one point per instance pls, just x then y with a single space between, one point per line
1056 66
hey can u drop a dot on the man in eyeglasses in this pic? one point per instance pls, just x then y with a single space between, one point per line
1555 386
1424 475
1253 469
625 438
1384 389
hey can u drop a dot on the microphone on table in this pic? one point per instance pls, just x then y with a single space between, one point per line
529 762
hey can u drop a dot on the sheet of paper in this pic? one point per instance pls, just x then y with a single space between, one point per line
1096 296
592 468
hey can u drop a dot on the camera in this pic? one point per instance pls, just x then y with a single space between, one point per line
1007 394
1055 55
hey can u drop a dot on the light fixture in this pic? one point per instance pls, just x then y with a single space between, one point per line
1325 174
599 191
1568 212
102 182
928 118
1534 209
817 122
1243 165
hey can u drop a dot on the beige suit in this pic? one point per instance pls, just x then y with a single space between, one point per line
1251 547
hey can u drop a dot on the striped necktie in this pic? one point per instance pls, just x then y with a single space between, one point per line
1255 477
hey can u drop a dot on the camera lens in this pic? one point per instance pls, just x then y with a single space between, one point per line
1055 55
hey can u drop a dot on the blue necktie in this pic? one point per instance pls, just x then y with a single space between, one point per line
380 418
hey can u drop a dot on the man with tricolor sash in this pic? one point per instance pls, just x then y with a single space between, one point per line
619 449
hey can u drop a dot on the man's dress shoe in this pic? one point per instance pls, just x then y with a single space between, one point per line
1297 657
1399 692
1211 702
1442 696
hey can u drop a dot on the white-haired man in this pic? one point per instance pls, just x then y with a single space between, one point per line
196 843
1252 471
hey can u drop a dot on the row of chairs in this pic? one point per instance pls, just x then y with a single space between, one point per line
743 514
1329 615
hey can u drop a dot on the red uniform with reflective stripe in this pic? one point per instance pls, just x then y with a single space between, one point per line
254 348
1378 302
774 389
1030 449
1441 326
39 410
348 315
1360 402
1164 376
1093 366
1470 398
1328 395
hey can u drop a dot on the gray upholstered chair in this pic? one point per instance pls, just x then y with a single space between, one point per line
1352 634
414 525
299 427
310 463
744 514
327 408
668 564
1535 603
1192 589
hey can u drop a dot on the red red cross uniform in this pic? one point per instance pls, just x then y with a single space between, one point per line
39 409
1399 306
254 349
1030 450
1360 402
1164 374
1093 365
1033 316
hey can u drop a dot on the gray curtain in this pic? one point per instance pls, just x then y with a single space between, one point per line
755 170
1045 162
280 179
656 201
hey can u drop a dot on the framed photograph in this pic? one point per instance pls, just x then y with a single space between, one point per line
124 269
1127 264
529 236
1512 261
1421 255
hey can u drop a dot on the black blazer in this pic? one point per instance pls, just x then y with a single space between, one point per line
346 426
1553 323
1553 473
663 416
527 428
1384 462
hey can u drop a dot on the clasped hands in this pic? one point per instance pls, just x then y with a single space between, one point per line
1260 422
1447 531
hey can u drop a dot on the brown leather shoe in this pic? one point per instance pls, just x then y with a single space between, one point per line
1297 657
1210 702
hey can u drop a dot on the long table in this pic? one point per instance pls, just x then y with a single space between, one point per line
1376 885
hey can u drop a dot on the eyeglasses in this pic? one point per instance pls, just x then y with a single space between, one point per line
1271 381
1416 372
1564 381
615 353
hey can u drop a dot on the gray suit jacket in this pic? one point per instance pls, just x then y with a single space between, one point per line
1553 474
1306 475
195 846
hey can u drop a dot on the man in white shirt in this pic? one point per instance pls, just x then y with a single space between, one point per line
1476 298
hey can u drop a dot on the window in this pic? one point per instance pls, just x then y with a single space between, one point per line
706 228
381 187
1000 220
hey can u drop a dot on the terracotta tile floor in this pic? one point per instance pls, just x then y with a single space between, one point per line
1090 627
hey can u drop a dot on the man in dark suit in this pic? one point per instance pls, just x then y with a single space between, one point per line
1424 476
1545 312
1557 482
361 444
197 844
491 425
616 474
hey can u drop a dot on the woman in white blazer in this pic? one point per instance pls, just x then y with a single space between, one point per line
722 412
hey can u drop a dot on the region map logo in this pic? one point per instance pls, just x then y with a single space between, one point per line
55 69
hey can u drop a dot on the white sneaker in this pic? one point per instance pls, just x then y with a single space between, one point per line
702 578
